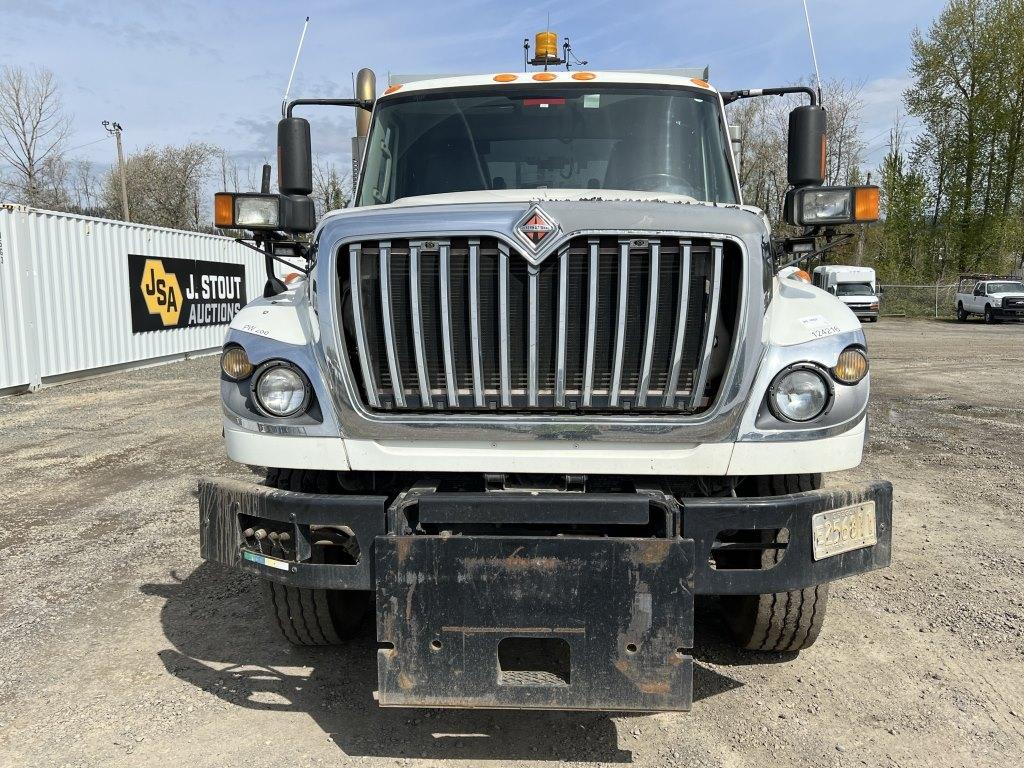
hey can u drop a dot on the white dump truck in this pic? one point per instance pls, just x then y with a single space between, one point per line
539 386
856 287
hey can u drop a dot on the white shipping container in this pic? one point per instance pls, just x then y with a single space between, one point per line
66 297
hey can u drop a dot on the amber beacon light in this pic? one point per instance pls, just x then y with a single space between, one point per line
545 45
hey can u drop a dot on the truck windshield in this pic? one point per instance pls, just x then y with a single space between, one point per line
854 289
580 136
1007 287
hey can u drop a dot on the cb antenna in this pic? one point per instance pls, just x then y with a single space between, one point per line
295 64
814 54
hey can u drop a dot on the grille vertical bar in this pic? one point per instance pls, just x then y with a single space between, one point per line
533 310
710 325
672 385
387 319
593 276
416 310
474 323
356 292
644 382
505 374
563 311
620 324
445 270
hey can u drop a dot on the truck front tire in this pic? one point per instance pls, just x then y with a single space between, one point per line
784 621
303 616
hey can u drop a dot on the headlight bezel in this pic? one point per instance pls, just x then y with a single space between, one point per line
822 375
265 368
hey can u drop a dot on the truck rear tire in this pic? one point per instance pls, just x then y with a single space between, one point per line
784 621
309 617
961 313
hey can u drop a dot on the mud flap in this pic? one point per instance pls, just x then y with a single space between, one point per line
520 622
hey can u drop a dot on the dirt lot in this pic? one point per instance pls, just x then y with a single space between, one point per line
119 647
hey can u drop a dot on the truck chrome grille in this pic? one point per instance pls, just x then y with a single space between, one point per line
605 324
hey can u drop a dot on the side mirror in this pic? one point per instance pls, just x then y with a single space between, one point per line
294 157
806 161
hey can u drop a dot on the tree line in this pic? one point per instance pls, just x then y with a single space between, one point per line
167 186
952 187
952 178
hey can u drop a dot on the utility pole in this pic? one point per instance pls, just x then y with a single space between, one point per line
115 130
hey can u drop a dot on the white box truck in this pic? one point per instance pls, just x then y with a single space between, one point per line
856 287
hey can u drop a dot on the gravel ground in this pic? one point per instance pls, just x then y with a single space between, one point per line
119 647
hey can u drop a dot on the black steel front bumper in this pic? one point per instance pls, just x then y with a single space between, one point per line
1008 313
616 609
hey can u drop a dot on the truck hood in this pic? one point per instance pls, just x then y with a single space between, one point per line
1009 295
497 212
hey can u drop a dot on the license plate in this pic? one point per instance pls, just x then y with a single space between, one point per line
843 530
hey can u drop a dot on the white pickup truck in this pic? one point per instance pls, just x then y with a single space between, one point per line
994 299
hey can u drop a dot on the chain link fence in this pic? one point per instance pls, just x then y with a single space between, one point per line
934 300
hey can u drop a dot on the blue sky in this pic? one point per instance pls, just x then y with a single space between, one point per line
177 70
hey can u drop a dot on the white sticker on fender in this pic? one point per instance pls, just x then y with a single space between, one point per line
819 326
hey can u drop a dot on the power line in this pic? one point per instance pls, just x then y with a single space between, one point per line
87 144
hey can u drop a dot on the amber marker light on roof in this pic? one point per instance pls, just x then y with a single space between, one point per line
505 77
701 83
393 88
544 76
583 75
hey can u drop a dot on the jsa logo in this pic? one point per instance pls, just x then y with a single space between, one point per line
161 292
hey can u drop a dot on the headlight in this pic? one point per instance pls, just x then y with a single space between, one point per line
799 394
851 367
819 206
281 390
235 364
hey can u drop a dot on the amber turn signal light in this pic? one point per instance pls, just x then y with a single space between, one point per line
235 363
867 204
224 210
851 367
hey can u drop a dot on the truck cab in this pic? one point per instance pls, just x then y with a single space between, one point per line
856 287
540 385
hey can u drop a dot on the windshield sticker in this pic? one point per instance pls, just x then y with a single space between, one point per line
819 326
592 101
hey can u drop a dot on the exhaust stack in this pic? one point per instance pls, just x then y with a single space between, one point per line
366 89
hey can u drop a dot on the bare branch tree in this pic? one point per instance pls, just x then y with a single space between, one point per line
329 186
33 131
167 186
